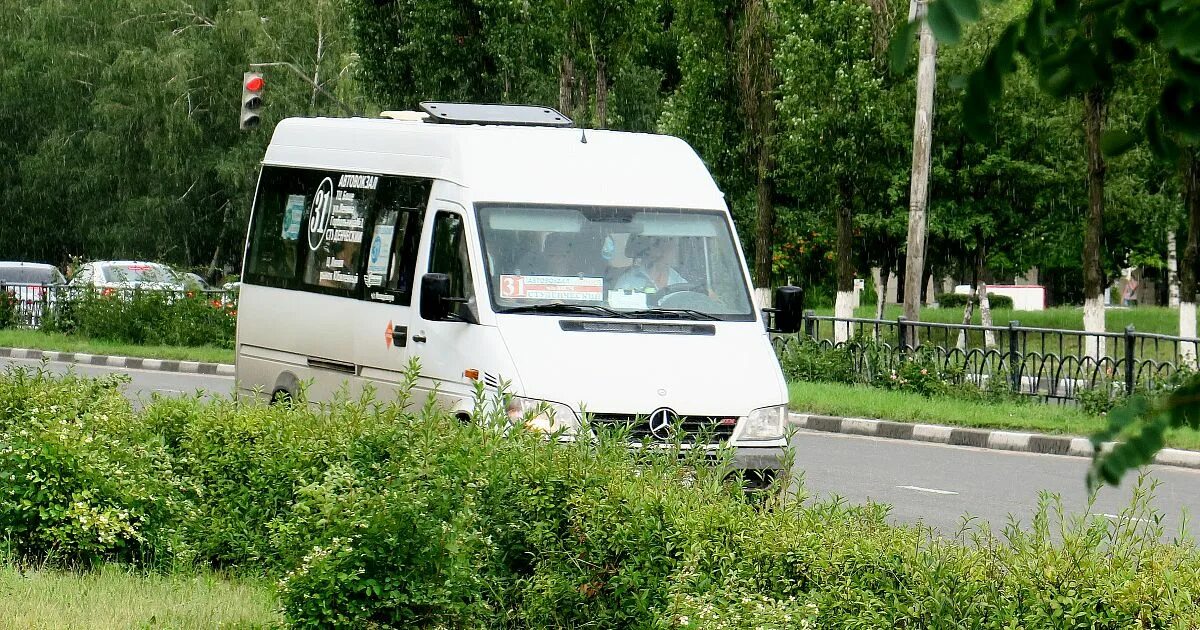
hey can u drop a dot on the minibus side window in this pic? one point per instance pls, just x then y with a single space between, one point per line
395 239
278 213
449 256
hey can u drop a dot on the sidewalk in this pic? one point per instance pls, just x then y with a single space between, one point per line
979 438
137 363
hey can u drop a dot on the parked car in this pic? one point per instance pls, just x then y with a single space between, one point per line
124 276
34 287
195 281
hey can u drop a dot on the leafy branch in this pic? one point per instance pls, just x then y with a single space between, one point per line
1143 424
1077 46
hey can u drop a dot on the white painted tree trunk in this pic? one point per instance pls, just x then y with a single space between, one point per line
1187 328
843 308
881 289
968 313
762 297
1094 346
1172 270
985 315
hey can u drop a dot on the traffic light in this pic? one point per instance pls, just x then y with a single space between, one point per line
252 87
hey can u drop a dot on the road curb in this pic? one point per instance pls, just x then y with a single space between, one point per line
994 439
137 363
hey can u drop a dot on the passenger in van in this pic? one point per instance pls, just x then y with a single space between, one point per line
560 256
653 260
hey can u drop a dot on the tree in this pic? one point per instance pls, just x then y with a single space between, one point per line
725 107
840 118
129 145
1076 47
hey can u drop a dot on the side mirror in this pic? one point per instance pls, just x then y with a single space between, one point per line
435 291
789 309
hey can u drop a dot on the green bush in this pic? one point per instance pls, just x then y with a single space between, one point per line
81 477
8 310
146 317
959 300
371 515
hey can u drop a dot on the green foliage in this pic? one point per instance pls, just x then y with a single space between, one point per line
1139 424
1077 46
82 478
121 119
146 317
8 310
371 515
959 300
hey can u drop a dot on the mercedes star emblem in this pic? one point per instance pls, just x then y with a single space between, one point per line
662 424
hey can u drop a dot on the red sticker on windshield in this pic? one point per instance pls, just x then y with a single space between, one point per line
552 288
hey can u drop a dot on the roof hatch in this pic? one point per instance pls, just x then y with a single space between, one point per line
489 114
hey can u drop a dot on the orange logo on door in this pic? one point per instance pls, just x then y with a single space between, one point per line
387 335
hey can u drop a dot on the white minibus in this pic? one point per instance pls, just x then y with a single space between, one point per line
585 271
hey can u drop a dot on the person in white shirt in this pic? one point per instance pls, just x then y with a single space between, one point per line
652 269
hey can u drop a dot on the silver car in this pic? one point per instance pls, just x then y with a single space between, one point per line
34 286
124 276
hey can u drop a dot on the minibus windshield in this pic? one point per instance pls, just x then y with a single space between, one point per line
617 262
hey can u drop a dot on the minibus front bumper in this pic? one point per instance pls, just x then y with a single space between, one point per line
758 458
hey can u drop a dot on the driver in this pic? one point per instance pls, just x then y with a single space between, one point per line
652 270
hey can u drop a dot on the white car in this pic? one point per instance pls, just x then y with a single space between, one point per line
34 287
126 275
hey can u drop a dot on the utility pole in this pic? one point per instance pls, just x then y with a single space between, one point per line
919 190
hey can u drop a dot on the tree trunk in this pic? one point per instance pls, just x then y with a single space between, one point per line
601 94
764 243
968 313
844 305
1172 269
1191 258
919 188
756 86
312 102
985 314
1094 104
566 85
881 287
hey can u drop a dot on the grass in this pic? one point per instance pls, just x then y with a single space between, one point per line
36 339
116 597
868 402
1155 319
1147 319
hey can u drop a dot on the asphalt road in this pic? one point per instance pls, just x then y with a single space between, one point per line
937 484
932 484
143 383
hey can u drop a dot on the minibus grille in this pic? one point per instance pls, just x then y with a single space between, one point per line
652 328
695 429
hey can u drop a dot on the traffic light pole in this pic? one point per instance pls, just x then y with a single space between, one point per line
316 85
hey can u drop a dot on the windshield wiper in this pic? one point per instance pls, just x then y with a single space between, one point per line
679 313
562 308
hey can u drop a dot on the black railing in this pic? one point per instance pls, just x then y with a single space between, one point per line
1045 362
33 303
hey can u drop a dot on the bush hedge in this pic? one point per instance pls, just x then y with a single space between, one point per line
8 309
146 317
959 300
373 516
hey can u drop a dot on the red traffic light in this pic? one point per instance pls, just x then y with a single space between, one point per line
254 84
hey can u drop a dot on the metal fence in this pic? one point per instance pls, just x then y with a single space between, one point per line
33 303
1044 362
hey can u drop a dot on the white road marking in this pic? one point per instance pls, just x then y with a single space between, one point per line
929 490
170 391
1118 518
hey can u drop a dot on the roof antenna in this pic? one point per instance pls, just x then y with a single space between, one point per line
582 134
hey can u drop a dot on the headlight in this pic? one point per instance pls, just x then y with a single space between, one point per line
543 416
765 423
